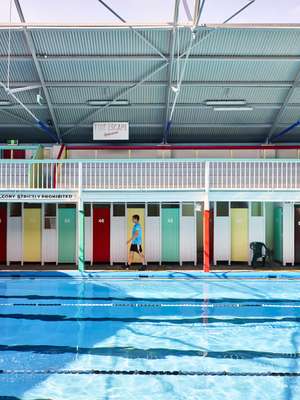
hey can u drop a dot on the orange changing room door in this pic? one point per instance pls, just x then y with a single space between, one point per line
32 234
141 212
239 234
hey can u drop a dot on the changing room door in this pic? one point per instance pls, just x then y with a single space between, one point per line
239 234
67 235
278 233
297 234
101 234
3 230
32 235
15 154
141 213
170 234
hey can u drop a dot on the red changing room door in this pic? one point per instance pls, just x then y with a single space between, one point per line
101 234
15 154
3 225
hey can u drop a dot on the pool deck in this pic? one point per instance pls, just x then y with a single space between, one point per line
105 268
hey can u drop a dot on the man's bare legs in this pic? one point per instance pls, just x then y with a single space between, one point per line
131 255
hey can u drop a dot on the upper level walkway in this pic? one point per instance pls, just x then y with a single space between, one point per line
191 179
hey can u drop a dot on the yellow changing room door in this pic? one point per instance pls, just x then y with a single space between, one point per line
32 235
239 234
141 213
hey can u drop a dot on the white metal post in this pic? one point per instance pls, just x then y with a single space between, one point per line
80 224
57 233
43 230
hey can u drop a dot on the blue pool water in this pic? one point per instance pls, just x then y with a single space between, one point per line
66 338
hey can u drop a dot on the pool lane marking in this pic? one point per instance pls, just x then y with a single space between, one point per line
153 372
146 305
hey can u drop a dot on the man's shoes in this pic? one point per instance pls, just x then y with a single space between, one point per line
142 268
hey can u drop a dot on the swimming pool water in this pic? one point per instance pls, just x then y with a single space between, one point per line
92 339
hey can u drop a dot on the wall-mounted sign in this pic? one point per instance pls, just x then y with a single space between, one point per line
111 131
38 197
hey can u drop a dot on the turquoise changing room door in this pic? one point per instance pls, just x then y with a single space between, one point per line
66 235
170 234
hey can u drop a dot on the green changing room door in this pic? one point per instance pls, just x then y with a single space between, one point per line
278 234
170 234
66 235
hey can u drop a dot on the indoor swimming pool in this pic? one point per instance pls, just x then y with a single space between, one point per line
150 336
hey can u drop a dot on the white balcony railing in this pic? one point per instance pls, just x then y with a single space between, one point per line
176 174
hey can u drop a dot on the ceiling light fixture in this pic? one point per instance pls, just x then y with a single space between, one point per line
5 103
105 102
233 108
225 102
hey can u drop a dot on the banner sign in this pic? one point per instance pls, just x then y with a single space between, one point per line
19 196
111 131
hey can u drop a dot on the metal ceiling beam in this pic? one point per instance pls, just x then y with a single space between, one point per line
216 28
198 106
187 10
283 107
163 25
172 41
271 84
149 57
138 34
181 72
159 125
31 47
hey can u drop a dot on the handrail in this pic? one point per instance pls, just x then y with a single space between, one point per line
149 160
151 174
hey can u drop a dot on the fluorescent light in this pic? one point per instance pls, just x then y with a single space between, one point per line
233 109
5 103
105 102
225 102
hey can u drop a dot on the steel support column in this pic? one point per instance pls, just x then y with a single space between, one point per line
31 46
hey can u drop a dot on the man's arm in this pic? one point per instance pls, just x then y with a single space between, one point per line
133 237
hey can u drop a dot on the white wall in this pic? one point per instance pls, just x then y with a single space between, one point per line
165 154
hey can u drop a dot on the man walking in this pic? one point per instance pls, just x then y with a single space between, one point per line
136 241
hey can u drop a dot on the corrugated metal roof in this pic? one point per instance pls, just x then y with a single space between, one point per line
101 42
208 115
295 98
80 95
249 42
290 115
42 114
258 43
18 43
132 115
101 70
240 70
28 97
19 71
197 94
